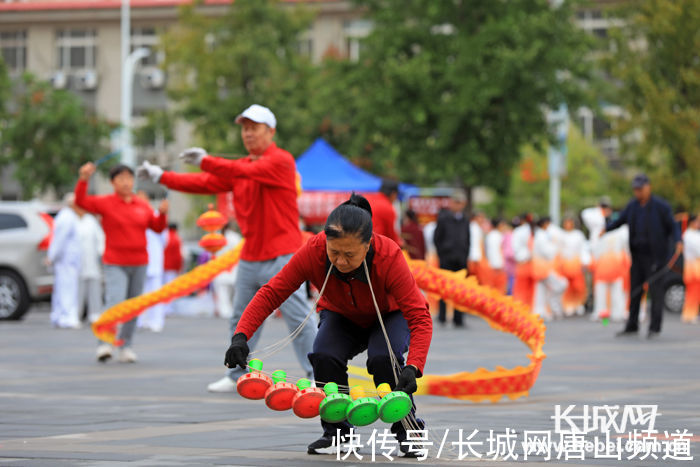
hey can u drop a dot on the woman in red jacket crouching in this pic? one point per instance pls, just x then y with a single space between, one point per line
348 318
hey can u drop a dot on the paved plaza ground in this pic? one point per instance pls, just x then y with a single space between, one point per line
58 407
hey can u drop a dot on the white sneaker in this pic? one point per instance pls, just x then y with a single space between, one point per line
126 355
225 384
104 352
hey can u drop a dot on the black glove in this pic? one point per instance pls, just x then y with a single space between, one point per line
407 380
238 352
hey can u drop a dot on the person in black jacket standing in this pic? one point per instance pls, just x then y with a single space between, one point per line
451 240
650 223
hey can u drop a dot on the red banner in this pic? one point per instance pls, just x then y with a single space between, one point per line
428 207
314 206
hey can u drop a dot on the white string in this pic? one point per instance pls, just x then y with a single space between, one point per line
409 422
392 357
276 347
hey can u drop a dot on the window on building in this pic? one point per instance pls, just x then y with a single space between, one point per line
77 48
601 33
13 47
147 37
354 31
305 45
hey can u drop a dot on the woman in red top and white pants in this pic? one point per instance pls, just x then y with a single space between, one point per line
125 218
348 318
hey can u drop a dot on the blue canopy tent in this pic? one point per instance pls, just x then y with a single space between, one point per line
327 178
322 168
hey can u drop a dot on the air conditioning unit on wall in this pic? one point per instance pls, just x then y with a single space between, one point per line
85 80
152 78
59 79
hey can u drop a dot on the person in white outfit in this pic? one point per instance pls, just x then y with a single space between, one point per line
476 247
154 317
549 286
574 256
225 282
610 262
92 244
522 242
594 219
64 255
495 257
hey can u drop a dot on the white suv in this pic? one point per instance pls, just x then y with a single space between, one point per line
25 234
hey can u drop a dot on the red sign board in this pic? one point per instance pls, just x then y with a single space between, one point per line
428 207
314 206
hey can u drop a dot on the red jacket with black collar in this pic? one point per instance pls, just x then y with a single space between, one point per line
392 282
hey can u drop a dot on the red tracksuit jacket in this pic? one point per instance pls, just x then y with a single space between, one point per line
394 287
124 225
383 216
264 198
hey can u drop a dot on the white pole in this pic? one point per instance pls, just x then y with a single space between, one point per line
129 61
127 156
555 199
557 160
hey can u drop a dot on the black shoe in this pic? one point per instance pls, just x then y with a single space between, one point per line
325 445
653 335
410 449
625 332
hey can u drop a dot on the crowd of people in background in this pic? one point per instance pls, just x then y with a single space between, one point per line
554 270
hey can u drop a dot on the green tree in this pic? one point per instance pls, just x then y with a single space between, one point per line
4 88
157 129
452 90
655 61
220 65
48 136
588 177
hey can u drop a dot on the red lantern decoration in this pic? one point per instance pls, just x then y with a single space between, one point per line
211 220
212 242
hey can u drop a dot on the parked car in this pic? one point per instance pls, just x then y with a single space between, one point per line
25 234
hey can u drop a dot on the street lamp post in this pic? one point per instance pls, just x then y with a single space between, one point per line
129 61
559 120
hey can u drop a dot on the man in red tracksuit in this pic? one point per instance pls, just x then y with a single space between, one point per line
125 218
265 201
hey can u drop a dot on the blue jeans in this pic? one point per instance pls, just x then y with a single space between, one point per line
250 276
121 283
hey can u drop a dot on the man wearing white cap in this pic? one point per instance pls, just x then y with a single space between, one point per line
265 202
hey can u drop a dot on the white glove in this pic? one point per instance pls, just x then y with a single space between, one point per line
148 170
193 156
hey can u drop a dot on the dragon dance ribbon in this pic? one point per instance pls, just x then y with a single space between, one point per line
501 312
105 328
